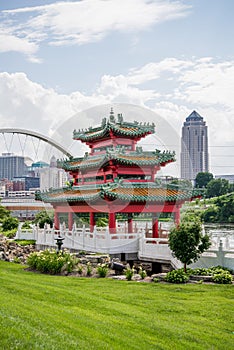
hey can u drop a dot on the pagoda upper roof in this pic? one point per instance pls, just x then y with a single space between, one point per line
132 158
117 127
124 191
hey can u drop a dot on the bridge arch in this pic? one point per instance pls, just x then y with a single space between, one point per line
38 136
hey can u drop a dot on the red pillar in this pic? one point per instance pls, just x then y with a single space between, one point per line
130 223
112 223
155 227
91 221
70 221
56 220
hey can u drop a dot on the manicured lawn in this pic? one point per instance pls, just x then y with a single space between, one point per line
52 312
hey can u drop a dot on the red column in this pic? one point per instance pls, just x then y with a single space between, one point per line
112 223
177 216
91 221
70 221
155 227
56 220
130 222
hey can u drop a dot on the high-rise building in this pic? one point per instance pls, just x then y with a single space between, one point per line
11 166
52 177
194 147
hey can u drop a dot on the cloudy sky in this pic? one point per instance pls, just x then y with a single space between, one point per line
165 57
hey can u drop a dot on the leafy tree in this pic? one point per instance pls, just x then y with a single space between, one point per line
10 223
42 218
217 187
26 225
187 241
210 214
202 179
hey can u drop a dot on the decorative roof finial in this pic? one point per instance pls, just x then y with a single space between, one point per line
112 116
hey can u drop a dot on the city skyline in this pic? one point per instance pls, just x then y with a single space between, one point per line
172 57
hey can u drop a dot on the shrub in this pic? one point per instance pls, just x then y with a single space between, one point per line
129 272
102 270
10 234
222 277
10 223
88 269
142 272
80 269
201 272
24 242
49 261
177 276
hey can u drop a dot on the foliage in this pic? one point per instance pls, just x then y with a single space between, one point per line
222 277
4 213
102 270
217 187
89 269
24 242
142 272
80 269
177 276
102 222
26 225
10 234
50 261
40 311
203 178
43 217
10 223
129 273
187 242
221 210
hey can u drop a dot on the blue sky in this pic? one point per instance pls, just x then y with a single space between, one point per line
168 57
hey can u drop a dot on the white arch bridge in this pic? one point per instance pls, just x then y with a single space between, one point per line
34 134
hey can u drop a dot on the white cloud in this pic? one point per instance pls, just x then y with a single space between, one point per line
203 84
80 22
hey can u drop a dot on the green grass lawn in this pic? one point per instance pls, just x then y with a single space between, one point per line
52 312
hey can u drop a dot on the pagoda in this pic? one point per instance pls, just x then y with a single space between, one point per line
116 176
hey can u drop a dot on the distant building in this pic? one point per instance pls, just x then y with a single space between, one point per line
194 147
52 177
11 166
26 183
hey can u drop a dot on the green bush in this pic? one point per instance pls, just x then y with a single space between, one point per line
102 270
9 224
177 276
129 272
201 272
24 242
222 277
50 261
142 272
10 234
89 269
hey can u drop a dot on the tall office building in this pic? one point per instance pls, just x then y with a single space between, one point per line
52 177
11 166
194 147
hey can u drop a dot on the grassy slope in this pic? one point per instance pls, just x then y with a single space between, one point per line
52 312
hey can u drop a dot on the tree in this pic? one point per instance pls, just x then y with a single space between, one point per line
43 218
10 223
202 179
217 187
187 241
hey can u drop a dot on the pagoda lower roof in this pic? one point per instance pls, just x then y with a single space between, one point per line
117 127
123 191
138 158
